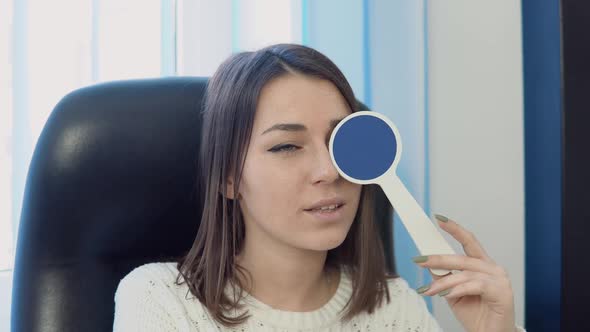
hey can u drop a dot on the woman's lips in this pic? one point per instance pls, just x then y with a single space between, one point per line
329 215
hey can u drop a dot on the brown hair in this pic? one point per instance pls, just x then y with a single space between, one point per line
228 114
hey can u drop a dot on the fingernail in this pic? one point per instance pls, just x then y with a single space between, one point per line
445 292
420 259
441 218
422 289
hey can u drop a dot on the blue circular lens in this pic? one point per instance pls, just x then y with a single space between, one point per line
364 147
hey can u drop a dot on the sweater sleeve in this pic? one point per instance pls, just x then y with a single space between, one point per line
139 305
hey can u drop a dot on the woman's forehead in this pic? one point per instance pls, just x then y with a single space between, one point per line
309 103
293 90
295 121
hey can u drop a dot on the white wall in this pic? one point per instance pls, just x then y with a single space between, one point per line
204 36
476 130
5 299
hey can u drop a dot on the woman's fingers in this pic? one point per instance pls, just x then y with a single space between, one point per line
471 245
471 287
450 281
491 289
460 262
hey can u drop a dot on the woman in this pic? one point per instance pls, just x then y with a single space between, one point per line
285 243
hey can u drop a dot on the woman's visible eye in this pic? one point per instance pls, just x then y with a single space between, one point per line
284 148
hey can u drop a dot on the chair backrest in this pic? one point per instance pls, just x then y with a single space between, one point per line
111 186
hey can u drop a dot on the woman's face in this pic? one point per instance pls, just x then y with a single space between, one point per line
289 171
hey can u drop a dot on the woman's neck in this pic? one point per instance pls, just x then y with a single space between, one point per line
290 289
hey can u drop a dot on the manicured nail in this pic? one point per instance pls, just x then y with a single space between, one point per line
441 218
423 289
445 292
420 259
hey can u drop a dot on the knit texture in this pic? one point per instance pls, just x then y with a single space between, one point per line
147 299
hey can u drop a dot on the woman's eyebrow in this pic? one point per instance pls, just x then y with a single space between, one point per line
297 126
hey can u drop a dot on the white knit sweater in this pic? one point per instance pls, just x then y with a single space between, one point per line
148 300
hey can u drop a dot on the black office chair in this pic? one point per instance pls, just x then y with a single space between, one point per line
111 186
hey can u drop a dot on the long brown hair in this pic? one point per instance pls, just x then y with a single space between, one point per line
228 115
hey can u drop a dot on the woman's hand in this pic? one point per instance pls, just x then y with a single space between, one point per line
480 294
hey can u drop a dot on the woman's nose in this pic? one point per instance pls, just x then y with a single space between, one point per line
324 168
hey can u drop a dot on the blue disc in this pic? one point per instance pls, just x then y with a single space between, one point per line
364 147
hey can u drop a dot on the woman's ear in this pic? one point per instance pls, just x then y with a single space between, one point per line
229 189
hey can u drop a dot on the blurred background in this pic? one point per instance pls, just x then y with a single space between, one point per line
450 74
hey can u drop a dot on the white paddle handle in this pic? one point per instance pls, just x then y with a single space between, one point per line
422 230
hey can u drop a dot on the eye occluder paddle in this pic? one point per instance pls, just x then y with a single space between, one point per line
366 148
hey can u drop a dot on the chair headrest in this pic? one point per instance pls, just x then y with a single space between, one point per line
111 185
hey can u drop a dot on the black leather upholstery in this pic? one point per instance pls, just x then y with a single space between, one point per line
111 186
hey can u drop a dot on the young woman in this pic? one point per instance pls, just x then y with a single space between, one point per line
285 243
